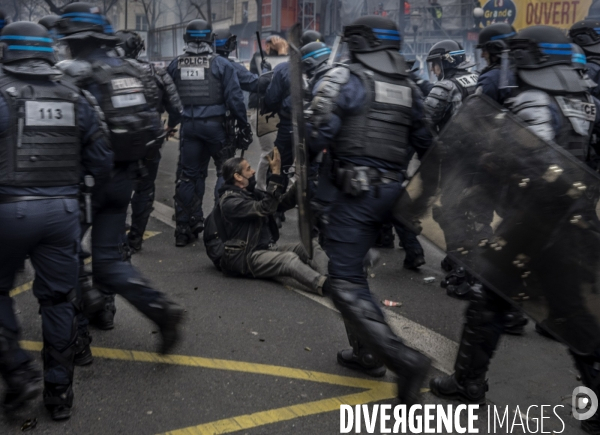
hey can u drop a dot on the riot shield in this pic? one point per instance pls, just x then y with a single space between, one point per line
267 123
518 213
300 147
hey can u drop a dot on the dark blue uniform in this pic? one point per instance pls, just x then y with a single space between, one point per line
248 81
594 75
202 137
355 221
47 230
278 99
111 270
489 82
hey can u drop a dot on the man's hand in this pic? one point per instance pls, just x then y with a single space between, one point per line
244 138
265 66
170 131
275 161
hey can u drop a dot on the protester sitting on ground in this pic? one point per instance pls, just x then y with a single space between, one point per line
246 218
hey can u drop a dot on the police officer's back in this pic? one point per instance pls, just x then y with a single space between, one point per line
208 87
167 99
50 138
127 102
447 63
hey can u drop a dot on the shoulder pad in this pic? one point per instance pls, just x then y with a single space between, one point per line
447 85
533 108
339 75
528 99
441 91
77 69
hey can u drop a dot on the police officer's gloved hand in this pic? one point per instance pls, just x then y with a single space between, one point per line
245 137
265 66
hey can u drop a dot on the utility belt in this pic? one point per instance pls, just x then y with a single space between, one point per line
355 180
7 199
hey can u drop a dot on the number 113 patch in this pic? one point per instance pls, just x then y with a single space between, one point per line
49 114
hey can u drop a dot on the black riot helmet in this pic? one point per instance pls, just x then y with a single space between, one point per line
310 36
198 31
494 38
26 40
586 34
372 33
131 43
49 21
543 58
3 19
225 42
578 58
314 54
81 17
445 57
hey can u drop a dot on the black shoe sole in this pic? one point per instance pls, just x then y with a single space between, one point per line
409 384
85 360
456 396
64 413
167 345
375 373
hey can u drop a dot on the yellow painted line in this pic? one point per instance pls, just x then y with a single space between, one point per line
27 286
375 390
248 421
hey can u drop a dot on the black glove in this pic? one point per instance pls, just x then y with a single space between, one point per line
244 138
265 66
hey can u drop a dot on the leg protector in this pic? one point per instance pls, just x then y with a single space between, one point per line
359 357
481 334
371 329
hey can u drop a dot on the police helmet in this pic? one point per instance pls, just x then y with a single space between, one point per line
81 17
49 21
314 54
3 19
310 36
26 40
586 34
450 54
131 43
225 42
578 58
543 57
372 33
494 37
198 31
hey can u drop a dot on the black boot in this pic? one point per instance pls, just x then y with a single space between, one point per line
135 241
58 400
183 235
514 322
359 358
370 328
22 384
83 353
480 337
167 315
414 263
105 319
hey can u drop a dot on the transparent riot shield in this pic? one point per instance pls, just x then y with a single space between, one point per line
520 214
299 138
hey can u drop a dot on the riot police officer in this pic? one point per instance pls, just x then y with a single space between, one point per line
447 63
44 160
208 86
552 99
493 41
225 43
123 93
584 34
368 114
314 60
167 99
310 36
4 20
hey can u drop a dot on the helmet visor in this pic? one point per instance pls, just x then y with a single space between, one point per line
435 66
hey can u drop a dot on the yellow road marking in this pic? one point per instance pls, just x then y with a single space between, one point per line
27 286
375 390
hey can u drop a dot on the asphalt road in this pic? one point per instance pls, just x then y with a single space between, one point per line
259 357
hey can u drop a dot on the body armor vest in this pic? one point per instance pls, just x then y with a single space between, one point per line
381 130
42 146
578 113
196 83
127 98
